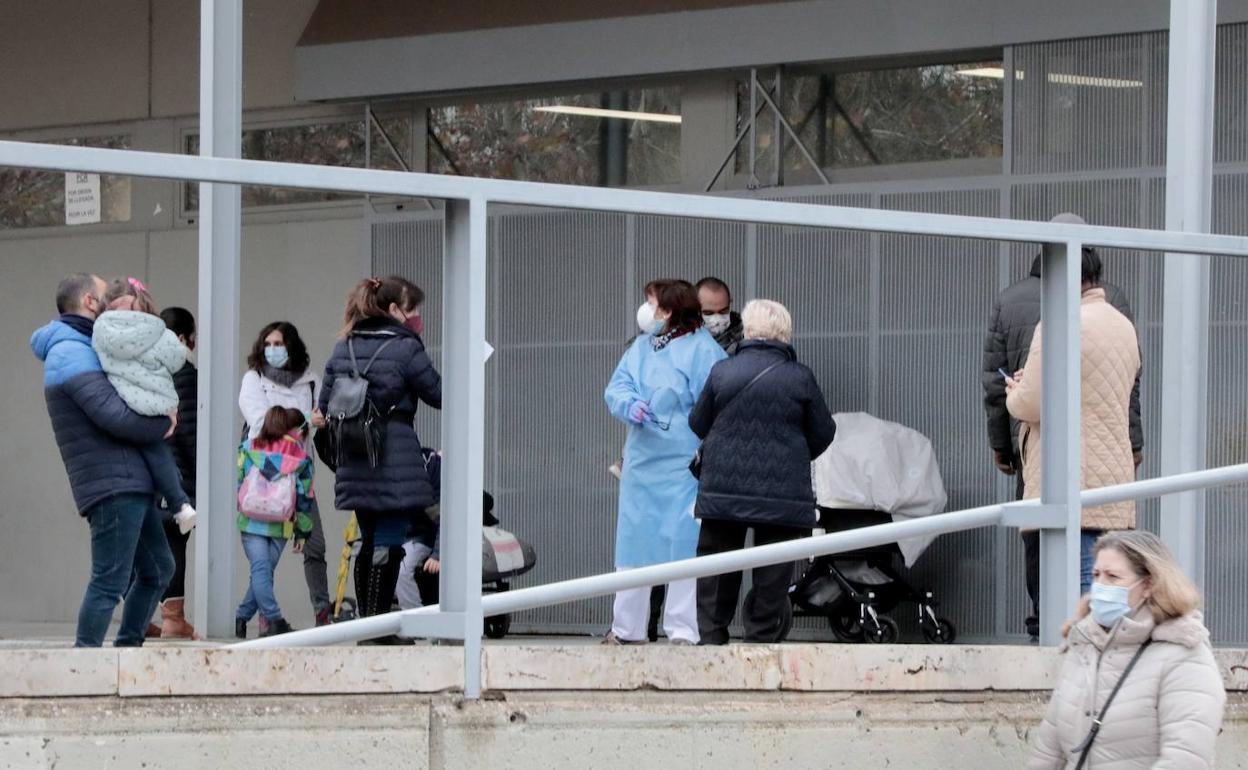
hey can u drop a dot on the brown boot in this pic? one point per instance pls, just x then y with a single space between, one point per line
153 631
173 623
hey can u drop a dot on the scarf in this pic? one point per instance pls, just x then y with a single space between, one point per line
79 323
284 377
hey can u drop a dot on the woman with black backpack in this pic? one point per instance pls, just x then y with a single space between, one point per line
376 376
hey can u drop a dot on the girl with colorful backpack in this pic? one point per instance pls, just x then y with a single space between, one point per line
274 502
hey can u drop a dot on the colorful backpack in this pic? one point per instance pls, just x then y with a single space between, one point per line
267 497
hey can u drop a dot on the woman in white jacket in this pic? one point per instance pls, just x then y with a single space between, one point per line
279 373
1168 708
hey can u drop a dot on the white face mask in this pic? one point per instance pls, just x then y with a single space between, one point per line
718 323
646 321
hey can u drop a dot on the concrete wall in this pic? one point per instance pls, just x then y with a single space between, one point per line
67 62
299 271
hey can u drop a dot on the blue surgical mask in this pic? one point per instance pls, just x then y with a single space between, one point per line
1110 603
277 356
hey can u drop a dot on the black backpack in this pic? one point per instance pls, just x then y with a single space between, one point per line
356 428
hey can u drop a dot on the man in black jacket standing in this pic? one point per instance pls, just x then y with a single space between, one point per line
1015 314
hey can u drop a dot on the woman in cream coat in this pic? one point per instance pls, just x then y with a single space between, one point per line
1169 710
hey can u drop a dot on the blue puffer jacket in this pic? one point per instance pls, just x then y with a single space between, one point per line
400 378
95 430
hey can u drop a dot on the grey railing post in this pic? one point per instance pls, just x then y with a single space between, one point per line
220 228
1185 338
463 424
1060 436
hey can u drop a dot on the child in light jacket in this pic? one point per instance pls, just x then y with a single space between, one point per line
140 356
275 461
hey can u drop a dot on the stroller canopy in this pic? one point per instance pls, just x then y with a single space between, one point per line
878 465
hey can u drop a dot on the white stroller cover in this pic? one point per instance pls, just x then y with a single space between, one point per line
878 465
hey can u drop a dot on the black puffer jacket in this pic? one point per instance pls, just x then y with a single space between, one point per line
1015 315
399 379
757 449
186 383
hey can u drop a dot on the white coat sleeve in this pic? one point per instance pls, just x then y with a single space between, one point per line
252 402
622 390
1190 704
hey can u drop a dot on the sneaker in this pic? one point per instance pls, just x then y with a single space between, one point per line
240 628
322 618
185 518
275 627
264 626
611 640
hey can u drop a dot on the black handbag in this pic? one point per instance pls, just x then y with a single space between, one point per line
1086 746
695 465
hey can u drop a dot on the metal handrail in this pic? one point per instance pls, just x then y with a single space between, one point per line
747 558
196 168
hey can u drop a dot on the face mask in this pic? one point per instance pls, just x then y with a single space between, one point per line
415 324
718 323
645 318
277 356
1110 603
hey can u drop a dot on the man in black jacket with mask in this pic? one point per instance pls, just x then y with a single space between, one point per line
1015 315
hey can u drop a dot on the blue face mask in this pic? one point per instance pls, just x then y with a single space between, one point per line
277 356
1110 603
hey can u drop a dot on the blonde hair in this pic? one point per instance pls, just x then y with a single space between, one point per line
766 319
1171 593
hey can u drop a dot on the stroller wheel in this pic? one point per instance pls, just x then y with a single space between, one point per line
497 626
940 632
882 630
846 628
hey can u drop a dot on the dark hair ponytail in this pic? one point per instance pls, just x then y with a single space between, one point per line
372 298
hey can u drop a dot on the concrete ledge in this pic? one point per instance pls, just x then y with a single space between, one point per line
829 667
56 673
656 667
173 670
294 671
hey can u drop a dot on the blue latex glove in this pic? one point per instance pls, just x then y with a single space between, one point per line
638 412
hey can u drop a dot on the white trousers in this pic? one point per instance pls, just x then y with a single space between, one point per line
680 613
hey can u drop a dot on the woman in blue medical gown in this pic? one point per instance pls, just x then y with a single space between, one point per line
652 391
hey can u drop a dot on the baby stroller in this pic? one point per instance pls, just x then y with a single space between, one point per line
875 472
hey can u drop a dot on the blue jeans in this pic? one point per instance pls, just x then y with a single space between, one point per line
127 540
263 553
1087 539
164 472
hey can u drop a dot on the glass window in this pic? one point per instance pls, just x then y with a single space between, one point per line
611 139
326 144
37 198
883 116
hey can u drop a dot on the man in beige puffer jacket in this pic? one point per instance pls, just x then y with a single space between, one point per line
1109 363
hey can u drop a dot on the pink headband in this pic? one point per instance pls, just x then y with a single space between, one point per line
137 284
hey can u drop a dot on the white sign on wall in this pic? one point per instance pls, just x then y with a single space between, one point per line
82 198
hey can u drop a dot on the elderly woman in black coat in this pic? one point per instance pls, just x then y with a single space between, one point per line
384 326
763 420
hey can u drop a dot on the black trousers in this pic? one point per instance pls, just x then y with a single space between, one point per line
177 544
374 583
1031 551
718 596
